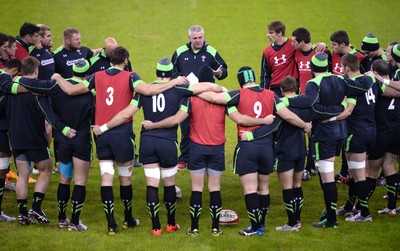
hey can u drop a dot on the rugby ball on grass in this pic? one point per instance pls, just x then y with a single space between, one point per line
228 217
178 192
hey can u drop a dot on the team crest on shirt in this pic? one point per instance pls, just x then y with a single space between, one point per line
203 58
281 60
338 68
304 66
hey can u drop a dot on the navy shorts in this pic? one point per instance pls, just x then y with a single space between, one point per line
286 165
158 150
327 149
253 159
81 150
4 142
34 155
202 156
115 146
360 143
386 141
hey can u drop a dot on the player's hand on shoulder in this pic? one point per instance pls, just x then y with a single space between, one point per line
180 80
55 76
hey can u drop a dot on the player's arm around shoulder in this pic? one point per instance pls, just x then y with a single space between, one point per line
69 88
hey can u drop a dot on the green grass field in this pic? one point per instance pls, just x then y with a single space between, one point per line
151 30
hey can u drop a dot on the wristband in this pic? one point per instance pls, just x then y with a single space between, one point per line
386 81
103 128
333 119
65 130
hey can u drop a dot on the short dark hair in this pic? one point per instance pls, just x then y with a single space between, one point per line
352 61
13 63
118 55
381 67
28 29
277 26
3 38
68 32
302 34
288 84
29 65
11 40
340 36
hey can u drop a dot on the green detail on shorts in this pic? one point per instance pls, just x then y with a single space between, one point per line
391 190
133 147
279 106
91 151
58 49
370 40
249 136
276 164
352 101
316 145
235 159
333 206
232 109
212 50
48 151
65 130
137 82
348 140
191 87
285 101
181 50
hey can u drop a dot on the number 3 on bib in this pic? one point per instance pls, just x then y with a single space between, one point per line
110 99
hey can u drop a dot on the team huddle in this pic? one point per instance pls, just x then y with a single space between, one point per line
345 101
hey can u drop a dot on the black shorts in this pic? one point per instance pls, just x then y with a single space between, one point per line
158 150
34 155
286 165
360 143
4 142
386 141
115 146
253 159
81 150
327 149
202 156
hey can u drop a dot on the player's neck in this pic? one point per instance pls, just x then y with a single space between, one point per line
280 41
353 74
320 73
307 47
289 94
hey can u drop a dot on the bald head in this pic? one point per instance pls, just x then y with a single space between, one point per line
109 44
